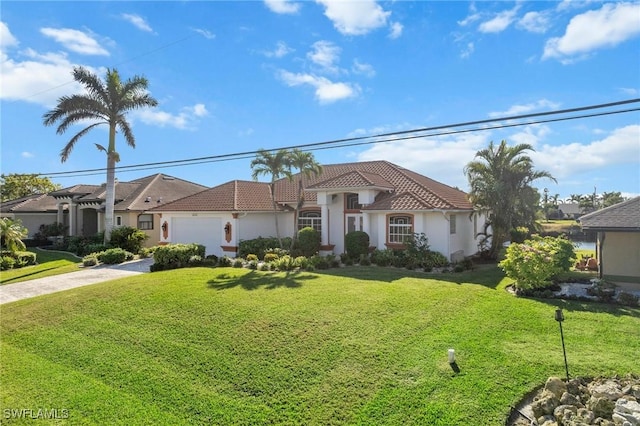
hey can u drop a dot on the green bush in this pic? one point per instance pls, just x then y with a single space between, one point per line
25 258
270 257
382 257
224 261
114 256
83 245
519 234
251 257
356 244
259 246
173 256
285 263
535 262
7 262
308 241
629 299
49 230
128 238
319 262
90 260
238 262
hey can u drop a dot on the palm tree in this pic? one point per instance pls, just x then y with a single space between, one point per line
275 165
11 234
500 179
107 103
307 165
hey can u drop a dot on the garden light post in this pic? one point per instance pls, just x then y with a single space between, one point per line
560 318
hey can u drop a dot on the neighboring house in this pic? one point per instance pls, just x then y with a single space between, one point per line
570 210
618 242
33 211
384 200
81 207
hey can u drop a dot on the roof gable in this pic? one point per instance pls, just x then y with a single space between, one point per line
351 180
623 216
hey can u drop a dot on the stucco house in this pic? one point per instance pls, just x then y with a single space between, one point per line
618 242
81 207
380 198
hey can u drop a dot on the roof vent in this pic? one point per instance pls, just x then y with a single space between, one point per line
159 200
148 200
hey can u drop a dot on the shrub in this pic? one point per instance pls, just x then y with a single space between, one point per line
319 262
94 248
348 261
629 299
535 262
308 241
90 260
435 259
224 261
83 245
49 230
195 260
251 257
25 258
113 256
238 262
382 257
270 257
252 264
302 262
285 263
174 256
259 246
128 238
7 262
265 266
365 260
356 243
519 234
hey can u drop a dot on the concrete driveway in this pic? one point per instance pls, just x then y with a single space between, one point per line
24 290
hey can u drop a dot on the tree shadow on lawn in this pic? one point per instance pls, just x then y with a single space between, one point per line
591 306
254 280
487 275
20 277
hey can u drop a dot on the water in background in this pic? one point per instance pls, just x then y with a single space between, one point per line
585 245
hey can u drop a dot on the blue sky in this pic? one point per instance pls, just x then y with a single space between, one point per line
239 76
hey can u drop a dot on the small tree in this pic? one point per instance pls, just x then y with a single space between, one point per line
12 233
308 241
16 185
356 244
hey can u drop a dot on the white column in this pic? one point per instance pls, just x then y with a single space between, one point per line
324 224
72 218
365 223
59 217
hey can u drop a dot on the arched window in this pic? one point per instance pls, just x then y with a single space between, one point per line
400 227
310 218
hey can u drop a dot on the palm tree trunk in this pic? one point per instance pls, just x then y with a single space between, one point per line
275 214
111 185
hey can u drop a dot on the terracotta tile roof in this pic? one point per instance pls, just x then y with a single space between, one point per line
30 204
76 190
429 193
353 179
233 196
623 216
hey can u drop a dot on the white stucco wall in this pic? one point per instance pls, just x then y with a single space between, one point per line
620 258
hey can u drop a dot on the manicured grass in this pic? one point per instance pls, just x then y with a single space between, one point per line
346 346
49 263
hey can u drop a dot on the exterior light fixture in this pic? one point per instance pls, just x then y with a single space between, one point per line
452 356
560 318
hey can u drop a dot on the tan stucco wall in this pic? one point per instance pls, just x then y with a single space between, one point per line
621 255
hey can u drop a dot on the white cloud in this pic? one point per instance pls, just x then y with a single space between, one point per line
184 120
531 134
26 154
500 22
472 17
39 79
325 54
608 26
205 33
6 38
526 108
467 51
362 68
629 91
619 147
138 21
535 22
395 30
355 17
326 91
282 6
280 51
75 40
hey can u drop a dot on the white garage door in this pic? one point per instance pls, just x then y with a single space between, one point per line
202 230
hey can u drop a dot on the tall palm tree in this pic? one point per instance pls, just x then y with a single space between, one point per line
107 103
275 165
11 234
500 179
307 165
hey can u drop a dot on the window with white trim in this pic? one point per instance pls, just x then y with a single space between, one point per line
352 202
145 221
400 227
452 224
310 219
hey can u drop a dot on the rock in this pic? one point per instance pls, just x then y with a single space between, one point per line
601 406
628 411
544 404
609 389
563 412
570 399
556 386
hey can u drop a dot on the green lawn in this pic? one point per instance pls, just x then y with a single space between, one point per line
347 346
49 263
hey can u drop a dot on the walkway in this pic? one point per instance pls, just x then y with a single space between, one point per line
26 289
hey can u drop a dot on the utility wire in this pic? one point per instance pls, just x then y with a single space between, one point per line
374 139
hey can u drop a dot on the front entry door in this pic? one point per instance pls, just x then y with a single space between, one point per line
353 222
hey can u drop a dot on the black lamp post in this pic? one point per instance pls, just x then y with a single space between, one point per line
560 318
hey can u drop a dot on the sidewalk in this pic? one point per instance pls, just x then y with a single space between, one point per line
26 289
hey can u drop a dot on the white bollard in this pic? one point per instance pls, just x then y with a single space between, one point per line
452 356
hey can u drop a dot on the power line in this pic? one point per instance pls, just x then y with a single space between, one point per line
374 139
